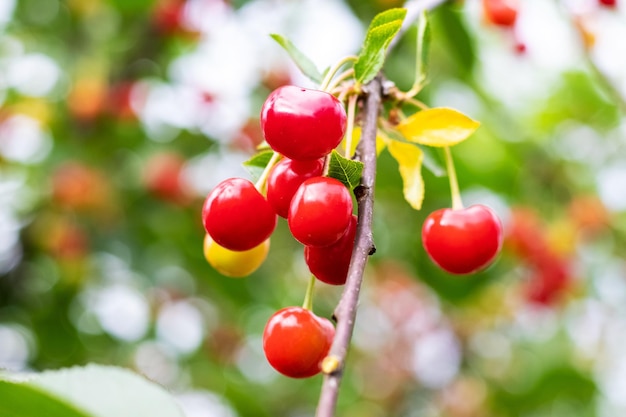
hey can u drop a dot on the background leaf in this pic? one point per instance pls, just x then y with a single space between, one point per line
345 170
307 66
409 158
381 31
107 391
22 400
438 127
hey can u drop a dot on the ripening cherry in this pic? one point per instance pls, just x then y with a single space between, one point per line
330 263
302 124
295 341
237 216
234 264
320 211
462 241
501 12
285 178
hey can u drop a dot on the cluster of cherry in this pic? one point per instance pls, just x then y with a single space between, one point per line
302 127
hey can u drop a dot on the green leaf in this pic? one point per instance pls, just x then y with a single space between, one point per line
345 170
106 391
438 127
409 158
22 400
257 163
381 31
423 47
307 66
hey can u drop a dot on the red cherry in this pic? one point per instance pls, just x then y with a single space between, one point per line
608 3
320 211
330 264
501 12
295 341
237 216
285 178
302 124
462 241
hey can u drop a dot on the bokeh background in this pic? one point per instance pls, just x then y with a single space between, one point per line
118 116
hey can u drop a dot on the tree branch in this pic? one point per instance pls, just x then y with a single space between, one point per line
345 313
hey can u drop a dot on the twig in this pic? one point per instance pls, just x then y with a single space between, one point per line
345 313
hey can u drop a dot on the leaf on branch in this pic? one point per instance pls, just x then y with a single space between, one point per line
409 158
305 65
423 47
381 31
345 170
438 127
256 165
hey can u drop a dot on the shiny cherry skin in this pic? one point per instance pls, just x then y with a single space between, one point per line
302 124
330 264
285 178
320 211
237 216
462 241
295 341
501 12
234 264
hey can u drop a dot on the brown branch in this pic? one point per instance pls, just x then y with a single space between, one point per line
345 313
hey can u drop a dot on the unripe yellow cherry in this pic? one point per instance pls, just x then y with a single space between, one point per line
235 264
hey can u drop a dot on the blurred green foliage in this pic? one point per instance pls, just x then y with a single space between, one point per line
103 256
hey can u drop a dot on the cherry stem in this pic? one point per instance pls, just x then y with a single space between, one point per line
457 203
260 184
341 77
326 166
349 130
308 297
324 86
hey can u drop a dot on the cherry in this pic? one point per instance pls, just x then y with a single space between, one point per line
302 124
295 341
462 241
320 211
285 178
608 3
330 263
237 216
235 264
501 12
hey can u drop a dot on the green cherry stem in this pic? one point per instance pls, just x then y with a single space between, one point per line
308 297
349 130
260 184
341 77
324 86
457 204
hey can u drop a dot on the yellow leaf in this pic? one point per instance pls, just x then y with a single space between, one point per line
438 127
356 137
409 159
